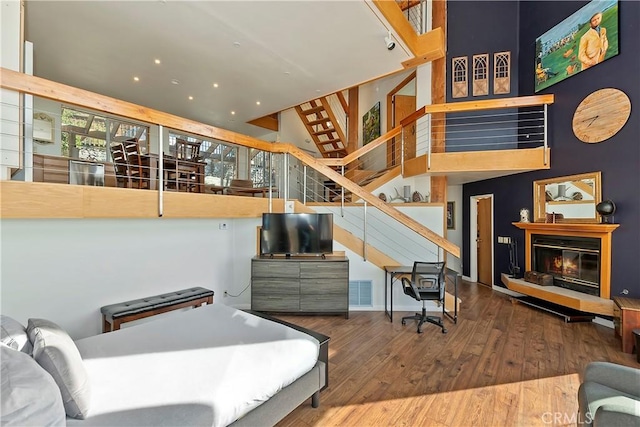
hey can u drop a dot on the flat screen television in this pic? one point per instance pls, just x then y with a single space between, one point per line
296 234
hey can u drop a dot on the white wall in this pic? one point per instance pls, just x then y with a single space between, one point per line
65 270
10 41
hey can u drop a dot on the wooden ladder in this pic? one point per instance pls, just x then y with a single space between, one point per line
323 127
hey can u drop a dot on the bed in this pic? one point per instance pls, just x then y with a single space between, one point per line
214 365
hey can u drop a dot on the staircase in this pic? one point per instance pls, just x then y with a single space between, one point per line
376 178
322 125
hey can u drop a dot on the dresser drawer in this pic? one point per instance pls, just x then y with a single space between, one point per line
275 269
324 303
275 286
323 270
324 286
284 303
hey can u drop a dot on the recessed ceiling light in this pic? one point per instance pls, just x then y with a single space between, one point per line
233 113
157 61
136 79
257 102
190 98
215 85
175 81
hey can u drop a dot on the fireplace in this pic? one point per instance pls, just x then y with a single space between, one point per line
574 262
577 255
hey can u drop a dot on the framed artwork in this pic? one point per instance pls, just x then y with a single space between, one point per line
581 41
371 124
451 218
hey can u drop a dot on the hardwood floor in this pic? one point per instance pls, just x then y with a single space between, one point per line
502 364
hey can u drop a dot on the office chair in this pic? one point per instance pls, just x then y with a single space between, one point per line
427 284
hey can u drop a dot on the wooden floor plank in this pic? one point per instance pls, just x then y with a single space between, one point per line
502 364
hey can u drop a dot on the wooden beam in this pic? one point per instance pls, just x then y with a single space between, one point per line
477 161
487 104
13 80
269 122
430 46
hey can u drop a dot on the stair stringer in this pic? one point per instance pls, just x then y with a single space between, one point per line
374 255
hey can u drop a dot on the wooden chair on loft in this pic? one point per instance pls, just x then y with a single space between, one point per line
120 165
427 283
138 175
184 176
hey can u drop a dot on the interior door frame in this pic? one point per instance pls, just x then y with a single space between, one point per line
391 110
473 234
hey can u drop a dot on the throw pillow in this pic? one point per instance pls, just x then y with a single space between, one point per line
30 397
56 352
14 334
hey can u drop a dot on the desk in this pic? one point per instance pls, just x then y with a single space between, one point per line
395 271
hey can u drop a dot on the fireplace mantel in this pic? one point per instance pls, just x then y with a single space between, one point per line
568 229
561 296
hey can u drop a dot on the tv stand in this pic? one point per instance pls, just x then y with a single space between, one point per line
300 285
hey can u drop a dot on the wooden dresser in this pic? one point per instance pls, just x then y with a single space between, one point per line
300 285
626 318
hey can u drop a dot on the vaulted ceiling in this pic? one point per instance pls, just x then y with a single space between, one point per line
277 53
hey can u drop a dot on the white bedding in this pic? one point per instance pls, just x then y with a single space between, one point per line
206 366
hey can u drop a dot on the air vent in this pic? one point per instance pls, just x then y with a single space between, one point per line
360 293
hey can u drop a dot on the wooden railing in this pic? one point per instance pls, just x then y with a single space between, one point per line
454 107
40 87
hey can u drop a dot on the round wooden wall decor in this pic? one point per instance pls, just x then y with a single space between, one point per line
601 115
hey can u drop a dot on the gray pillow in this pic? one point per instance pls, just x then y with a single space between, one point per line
56 352
30 397
14 334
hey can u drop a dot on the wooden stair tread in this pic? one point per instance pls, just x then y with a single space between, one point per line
324 132
334 150
319 121
313 110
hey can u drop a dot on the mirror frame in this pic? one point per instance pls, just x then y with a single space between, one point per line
539 199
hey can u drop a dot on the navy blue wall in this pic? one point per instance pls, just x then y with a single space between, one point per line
618 158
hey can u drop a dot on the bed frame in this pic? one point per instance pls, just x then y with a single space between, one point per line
292 396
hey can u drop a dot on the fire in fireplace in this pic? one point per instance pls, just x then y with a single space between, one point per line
574 262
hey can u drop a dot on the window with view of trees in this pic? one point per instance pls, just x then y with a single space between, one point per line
259 168
85 135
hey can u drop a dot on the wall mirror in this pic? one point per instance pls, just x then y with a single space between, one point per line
574 196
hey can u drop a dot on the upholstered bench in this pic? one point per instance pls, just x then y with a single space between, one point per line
116 314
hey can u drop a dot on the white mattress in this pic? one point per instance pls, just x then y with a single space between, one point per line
206 366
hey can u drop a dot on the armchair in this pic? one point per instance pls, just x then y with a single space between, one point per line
426 284
609 395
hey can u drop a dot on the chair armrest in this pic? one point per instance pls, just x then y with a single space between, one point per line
619 377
